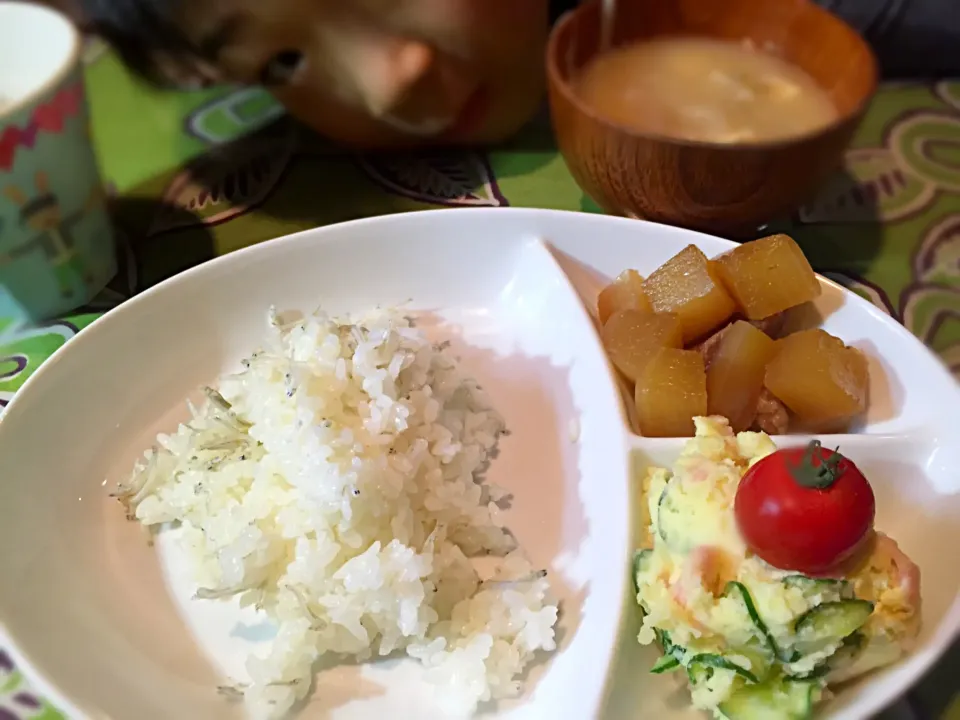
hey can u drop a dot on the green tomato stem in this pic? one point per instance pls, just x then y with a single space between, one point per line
816 472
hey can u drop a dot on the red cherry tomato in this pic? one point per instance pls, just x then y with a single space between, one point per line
804 509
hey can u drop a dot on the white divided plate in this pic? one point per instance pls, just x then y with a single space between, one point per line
103 622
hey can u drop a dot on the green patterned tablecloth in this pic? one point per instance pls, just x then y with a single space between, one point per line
200 174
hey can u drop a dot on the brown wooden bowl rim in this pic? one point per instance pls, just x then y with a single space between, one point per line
556 81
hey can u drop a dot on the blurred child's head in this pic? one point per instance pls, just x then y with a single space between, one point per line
367 72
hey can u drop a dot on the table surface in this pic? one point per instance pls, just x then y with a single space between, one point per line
195 175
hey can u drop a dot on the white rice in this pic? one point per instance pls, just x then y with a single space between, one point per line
334 483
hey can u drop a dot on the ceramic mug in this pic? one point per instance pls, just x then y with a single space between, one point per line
56 243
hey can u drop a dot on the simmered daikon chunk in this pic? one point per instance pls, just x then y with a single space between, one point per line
624 293
824 382
736 373
632 336
670 392
689 285
768 276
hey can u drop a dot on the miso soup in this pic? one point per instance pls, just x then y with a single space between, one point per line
706 90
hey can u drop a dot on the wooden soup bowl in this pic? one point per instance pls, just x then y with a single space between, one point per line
730 189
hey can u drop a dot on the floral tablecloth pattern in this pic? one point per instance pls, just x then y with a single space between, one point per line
196 175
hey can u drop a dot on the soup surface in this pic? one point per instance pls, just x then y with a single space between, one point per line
704 89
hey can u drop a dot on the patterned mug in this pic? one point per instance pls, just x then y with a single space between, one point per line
56 243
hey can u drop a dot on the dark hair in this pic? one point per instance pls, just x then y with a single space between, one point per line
142 32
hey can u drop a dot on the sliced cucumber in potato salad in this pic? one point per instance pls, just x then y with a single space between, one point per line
769 683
